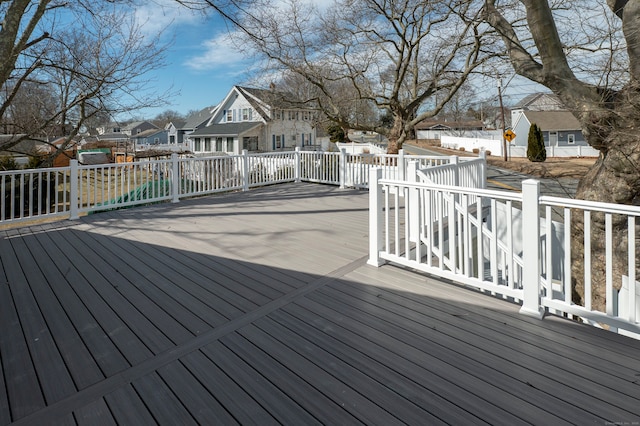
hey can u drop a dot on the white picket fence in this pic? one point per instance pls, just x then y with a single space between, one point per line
495 146
506 243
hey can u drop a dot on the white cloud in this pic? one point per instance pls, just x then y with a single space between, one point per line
157 16
219 51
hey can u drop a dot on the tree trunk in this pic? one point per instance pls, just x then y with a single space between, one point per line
397 134
614 178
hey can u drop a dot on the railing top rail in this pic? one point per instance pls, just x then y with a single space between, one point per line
30 171
503 195
624 209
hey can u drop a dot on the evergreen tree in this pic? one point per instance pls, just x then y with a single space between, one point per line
336 133
536 151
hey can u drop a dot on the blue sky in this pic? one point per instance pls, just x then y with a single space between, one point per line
202 64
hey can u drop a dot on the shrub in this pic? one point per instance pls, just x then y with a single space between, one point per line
461 149
536 151
7 163
487 152
476 150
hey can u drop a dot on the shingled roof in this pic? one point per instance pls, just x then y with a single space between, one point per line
553 120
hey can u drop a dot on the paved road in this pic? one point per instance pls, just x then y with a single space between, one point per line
505 179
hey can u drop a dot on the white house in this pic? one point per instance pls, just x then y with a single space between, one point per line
256 120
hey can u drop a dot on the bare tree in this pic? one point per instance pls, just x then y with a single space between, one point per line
92 60
166 117
29 112
389 55
595 70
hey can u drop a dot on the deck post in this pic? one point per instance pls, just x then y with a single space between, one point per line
456 175
342 168
402 171
375 217
414 210
175 178
74 190
531 249
297 165
245 170
483 170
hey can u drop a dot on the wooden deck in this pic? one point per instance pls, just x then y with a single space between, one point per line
258 308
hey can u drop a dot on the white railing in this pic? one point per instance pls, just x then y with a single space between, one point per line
81 189
517 245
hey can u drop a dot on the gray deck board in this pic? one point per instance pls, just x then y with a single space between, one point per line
511 371
44 280
97 340
259 308
54 378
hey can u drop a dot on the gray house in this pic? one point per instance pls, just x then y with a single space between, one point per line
151 137
559 128
194 122
137 127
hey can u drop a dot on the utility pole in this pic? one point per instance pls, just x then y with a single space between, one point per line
504 141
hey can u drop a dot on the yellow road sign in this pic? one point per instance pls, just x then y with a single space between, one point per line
509 135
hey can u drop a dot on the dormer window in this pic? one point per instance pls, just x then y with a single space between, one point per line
229 115
247 114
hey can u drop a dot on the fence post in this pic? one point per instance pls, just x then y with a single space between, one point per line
456 175
342 168
531 249
74 196
245 170
483 169
402 172
376 218
298 165
175 178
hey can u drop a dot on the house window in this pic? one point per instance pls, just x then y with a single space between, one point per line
207 144
277 114
156 140
293 140
197 145
250 143
219 144
277 144
247 114
229 115
229 144
172 139
571 139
